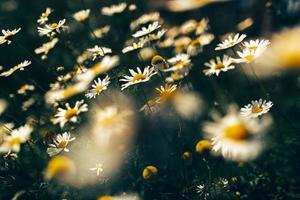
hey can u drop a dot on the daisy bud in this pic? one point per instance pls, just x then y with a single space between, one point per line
61 167
203 146
159 63
149 172
186 155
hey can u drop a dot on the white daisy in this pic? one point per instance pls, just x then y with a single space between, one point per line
60 144
137 77
144 19
98 86
46 47
235 137
145 31
134 46
19 66
82 15
15 138
52 29
256 44
100 32
69 114
216 66
113 9
99 51
231 41
181 63
248 55
7 34
98 168
256 108
165 92
44 17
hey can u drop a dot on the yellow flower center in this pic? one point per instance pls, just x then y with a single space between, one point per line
138 77
179 64
62 144
156 60
149 172
249 57
99 88
219 66
203 146
15 141
70 113
53 25
256 109
236 132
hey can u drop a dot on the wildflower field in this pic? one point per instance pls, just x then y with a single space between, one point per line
149 100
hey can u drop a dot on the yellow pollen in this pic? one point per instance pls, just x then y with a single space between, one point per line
256 109
15 141
99 88
179 64
53 25
219 65
236 132
62 144
138 77
70 113
249 57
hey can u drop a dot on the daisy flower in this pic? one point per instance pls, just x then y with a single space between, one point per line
113 9
19 66
69 114
145 31
180 63
256 44
165 92
60 144
100 32
138 76
7 34
98 86
82 15
15 138
98 168
44 17
52 29
45 48
144 19
248 55
185 5
99 51
23 89
235 137
256 108
231 41
134 46
216 66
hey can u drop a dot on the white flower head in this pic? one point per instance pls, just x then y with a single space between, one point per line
147 30
181 63
98 86
218 65
69 114
15 138
51 29
44 17
256 108
82 15
19 66
46 47
7 34
138 76
60 144
231 41
113 9
235 137
99 51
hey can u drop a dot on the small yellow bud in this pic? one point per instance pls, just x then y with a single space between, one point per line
203 146
186 155
149 172
105 197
